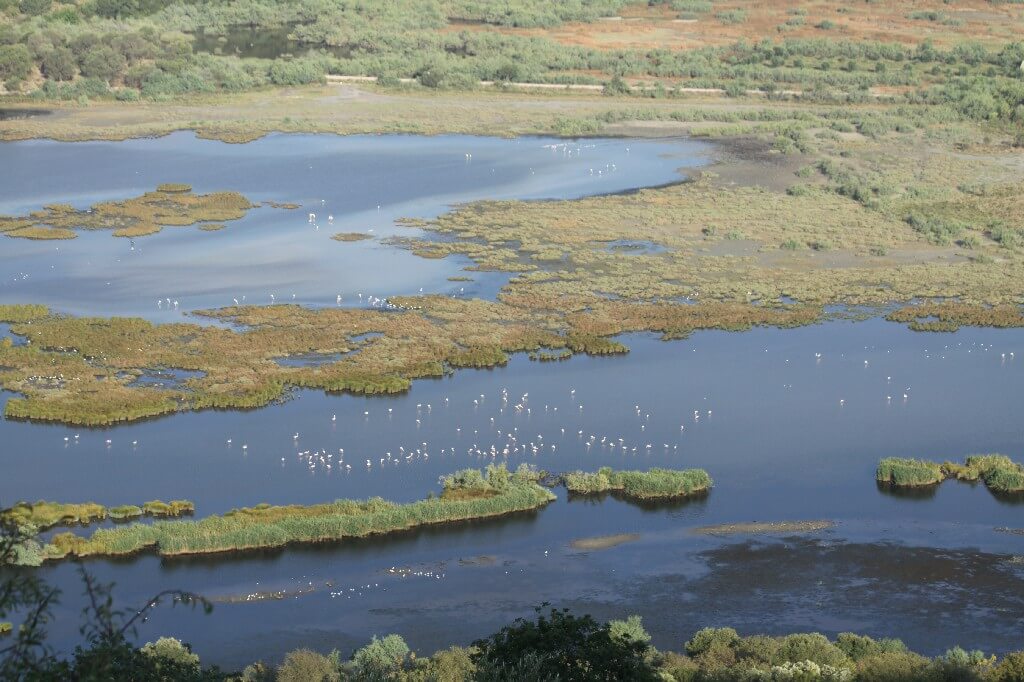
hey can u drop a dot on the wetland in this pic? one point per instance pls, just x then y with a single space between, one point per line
287 385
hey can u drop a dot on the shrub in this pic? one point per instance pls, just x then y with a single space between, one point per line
454 664
564 647
171 650
892 667
757 650
937 230
296 72
810 647
305 665
381 657
731 16
59 64
857 647
631 629
616 86
15 62
1010 669
707 638
258 672
103 62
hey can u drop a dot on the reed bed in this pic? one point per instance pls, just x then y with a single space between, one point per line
641 485
1000 473
465 496
904 472
42 515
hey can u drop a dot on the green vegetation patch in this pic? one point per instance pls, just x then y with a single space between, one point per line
904 472
641 485
351 236
41 515
80 370
465 496
1000 473
949 316
170 205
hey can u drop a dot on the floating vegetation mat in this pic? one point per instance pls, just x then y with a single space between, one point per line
171 205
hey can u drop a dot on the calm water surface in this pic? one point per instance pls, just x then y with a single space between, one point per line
364 182
785 434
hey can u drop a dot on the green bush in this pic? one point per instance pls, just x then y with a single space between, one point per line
630 629
381 658
169 650
59 64
15 62
857 647
296 72
707 638
1010 669
305 665
104 62
810 647
561 647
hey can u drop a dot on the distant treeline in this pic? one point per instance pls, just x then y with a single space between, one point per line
142 48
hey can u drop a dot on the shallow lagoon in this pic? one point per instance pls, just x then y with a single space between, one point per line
364 182
778 443
785 434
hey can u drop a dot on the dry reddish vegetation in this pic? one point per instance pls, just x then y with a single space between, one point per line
644 26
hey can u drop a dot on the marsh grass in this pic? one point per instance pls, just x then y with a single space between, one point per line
42 515
1000 473
949 316
904 472
170 205
640 485
465 496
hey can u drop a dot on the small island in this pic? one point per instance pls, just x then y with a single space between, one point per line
1000 473
653 484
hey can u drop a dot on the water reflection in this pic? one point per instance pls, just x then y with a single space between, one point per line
353 184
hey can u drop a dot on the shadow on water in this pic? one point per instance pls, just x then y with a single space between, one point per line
696 501
919 493
925 493
397 542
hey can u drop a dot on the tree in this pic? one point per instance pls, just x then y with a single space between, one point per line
59 64
564 647
103 62
15 62
381 657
